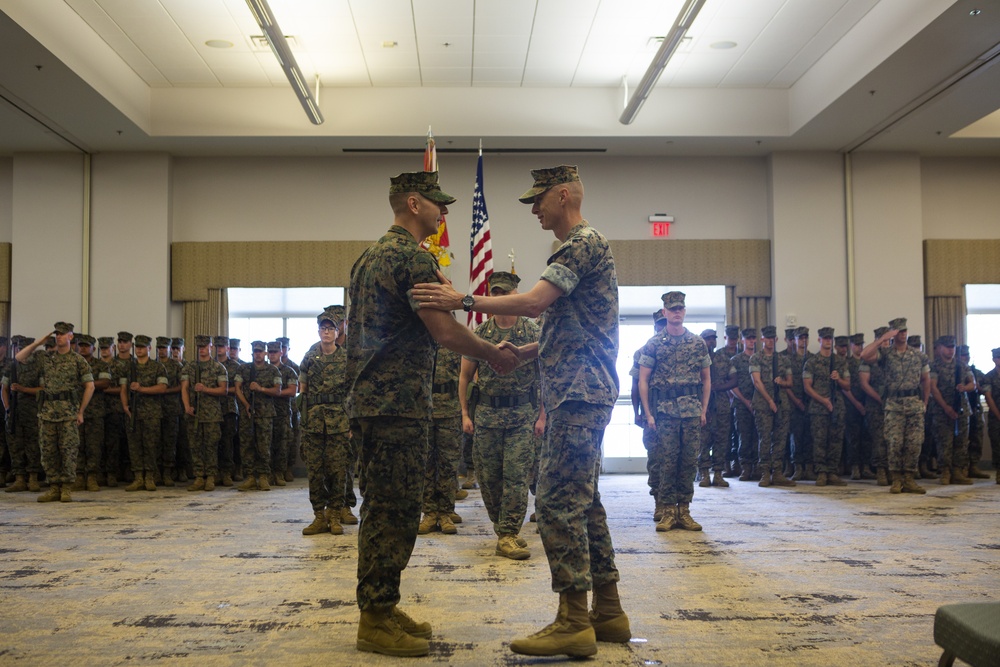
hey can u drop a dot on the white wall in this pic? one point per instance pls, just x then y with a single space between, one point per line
6 199
47 262
960 198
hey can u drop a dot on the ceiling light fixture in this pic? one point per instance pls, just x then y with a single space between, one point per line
673 39
265 19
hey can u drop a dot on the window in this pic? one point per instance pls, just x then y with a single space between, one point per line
269 313
982 323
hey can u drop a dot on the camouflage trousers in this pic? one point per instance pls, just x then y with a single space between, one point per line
281 435
678 441
857 441
25 455
113 430
294 439
255 444
143 443
951 438
167 452
326 457
441 469
875 427
393 454
204 442
772 434
89 458
652 462
467 453
183 459
993 432
976 432
571 518
747 430
59 442
715 436
802 451
904 435
503 458
828 438
229 441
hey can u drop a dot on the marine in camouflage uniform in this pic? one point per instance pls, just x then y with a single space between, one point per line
715 434
295 433
857 441
21 385
825 377
229 444
675 386
115 441
172 409
68 386
739 368
4 453
991 391
142 392
281 438
907 378
203 382
183 461
772 374
648 434
802 451
949 412
444 447
872 382
326 431
503 440
257 383
91 455
976 427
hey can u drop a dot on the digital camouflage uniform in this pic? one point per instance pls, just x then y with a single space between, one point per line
295 434
204 428
826 428
25 455
991 386
63 377
648 436
230 443
257 430
951 436
325 427
115 440
675 389
715 434
281 439
173 409
577 348
801 438
739 367
143 430
772 427
857 442
445 442
390 372
875 413
904 407
976 430
503 443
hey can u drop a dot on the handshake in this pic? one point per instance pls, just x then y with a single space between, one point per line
507 356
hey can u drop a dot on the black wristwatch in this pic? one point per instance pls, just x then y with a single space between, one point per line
468 302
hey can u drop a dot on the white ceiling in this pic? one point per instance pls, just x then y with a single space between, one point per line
104 75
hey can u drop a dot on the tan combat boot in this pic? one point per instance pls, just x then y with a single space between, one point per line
168 476
428 524
570 634
778 479
719 480
410 626
198 484
319 524
833 479
668 520
945 477
897 482
92 484
380 632
64 495
227 479
706 480
289 475
52 495
447 525
137 483
810 472
508 548
607 616
80 483
660 510
249 484
455 518
20 484
909 486
800 473
262 483
821 479
958 477
684 519
882 477
210 482
112 480
461 494
33 484
150 481
976 473
347 517
765 479
470 481
279 478
333 521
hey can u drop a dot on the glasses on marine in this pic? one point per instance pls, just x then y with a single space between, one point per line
328 329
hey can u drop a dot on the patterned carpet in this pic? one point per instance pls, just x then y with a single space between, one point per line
804 576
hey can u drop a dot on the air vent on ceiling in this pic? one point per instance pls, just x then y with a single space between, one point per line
260 43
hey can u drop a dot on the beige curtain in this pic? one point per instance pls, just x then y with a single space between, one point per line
4 318
746 311
945 315
209 317
5 254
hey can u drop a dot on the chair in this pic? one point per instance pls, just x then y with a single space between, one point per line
969 632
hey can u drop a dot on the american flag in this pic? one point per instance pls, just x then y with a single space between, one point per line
481 250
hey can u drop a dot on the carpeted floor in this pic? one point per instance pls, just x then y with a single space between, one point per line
804 576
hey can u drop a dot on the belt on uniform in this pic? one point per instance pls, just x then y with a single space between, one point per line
509 401
680 390
323 399
449 387
60 395
903 393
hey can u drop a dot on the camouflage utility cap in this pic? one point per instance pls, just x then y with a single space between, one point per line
709 333
50 343
258 346
333 314
162 341
273 346
234 343
142 340
201 340
283 340
124 337
85 339
996 353
899 324
802 331
913 341
946 341
105 341
841 341
732 331
963 350
221 341
789 334
177 342
673 300
881 331
63 327
658 316
769 331
825 332
17 340
422 182
504 281
858 339
749 332
548 178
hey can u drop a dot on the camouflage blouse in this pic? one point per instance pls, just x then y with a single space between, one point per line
63 377
147 375
211 374
325 379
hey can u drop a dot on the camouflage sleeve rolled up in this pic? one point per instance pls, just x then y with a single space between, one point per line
63 377
325 378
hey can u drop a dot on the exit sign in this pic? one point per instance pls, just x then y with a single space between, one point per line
659 230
